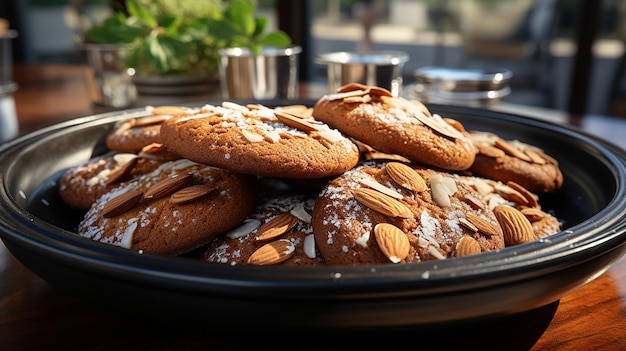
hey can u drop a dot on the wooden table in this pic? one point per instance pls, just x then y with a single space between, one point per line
36 316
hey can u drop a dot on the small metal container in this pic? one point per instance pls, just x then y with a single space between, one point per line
271 74
462 86
8 115
377 68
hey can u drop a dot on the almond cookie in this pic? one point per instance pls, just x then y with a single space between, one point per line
257 140
178 207
390 212
133 134
515 161
80 186
395 125
278 232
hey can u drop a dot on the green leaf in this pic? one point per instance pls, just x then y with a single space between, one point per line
136 10
261 24
278 38
240 15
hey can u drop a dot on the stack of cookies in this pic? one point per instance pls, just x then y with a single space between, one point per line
360 177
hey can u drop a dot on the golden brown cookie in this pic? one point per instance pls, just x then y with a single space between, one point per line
396 126
133 134
515 161
261 141
283 221
178 207
390 212
80 186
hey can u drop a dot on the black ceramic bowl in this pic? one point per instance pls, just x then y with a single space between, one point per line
37 228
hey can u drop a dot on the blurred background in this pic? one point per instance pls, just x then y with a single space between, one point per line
564 54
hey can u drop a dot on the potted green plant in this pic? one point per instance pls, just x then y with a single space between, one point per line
165 44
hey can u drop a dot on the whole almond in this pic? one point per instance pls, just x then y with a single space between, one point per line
467 246
121 203
516 228
276 227
190 194
406 176
274 252
168 186
121 172
382 203
392 241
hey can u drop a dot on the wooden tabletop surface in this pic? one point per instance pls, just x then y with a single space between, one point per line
37 316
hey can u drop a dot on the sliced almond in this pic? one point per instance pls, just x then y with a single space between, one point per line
150 121
296 122
121 203
351 87
489 150
121 172
511 194
441 188
276 227
406 176
379 91
467 246
357 99
235 106
382 203
190 194
467 224
152 148
252 137
392 241
169 110
532 200
533 214
422 107
511 150
252 107
484 226
454 124
383 189
346 94
516 228
244 229
437 124
535 156
474 202
168 186
274 252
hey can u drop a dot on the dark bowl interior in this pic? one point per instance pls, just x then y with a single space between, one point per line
38 229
